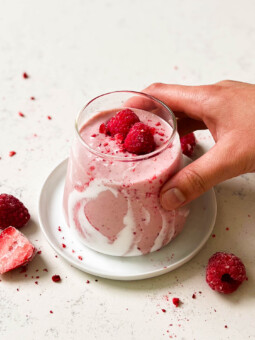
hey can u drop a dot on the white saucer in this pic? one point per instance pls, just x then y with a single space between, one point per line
196 232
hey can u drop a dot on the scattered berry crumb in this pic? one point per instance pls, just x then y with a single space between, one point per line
12 153
163 310
25 75
80 257
21 114
227 228
32 98
23 269
56 278
63 245
59 228
36 282
193 296
39 252
213 235
87 281
51 312
49 117
176 302
45 270
226 326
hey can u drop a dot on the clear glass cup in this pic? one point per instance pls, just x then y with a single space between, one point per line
111 199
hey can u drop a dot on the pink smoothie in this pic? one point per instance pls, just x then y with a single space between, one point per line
114 205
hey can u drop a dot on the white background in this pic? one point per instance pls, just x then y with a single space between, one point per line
73 51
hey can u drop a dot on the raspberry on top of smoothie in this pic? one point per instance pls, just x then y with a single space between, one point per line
126 132
121 123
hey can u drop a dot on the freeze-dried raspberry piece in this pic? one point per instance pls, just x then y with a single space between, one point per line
56 278
15 250
225 272
102 128
188 143
12 212
122 122
176 302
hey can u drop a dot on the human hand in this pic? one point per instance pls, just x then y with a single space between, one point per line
227 109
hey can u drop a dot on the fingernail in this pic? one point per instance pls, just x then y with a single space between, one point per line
172 199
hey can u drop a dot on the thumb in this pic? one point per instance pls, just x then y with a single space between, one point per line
217 165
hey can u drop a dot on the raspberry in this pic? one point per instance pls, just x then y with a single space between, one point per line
140 140
225 272
12 212
122 122
188 142
15 250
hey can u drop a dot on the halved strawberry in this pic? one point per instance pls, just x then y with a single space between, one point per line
15 250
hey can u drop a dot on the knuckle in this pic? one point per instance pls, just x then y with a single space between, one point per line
195 181
226 82
155 86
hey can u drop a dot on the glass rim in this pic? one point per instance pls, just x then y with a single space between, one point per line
131 158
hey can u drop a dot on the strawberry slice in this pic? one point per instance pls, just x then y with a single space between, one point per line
15 250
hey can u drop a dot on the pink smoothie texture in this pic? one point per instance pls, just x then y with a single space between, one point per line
114 205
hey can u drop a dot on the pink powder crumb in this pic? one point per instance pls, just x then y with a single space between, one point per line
56 278
32 98
23 269
176 302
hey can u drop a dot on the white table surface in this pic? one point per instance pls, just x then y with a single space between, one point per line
73 51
